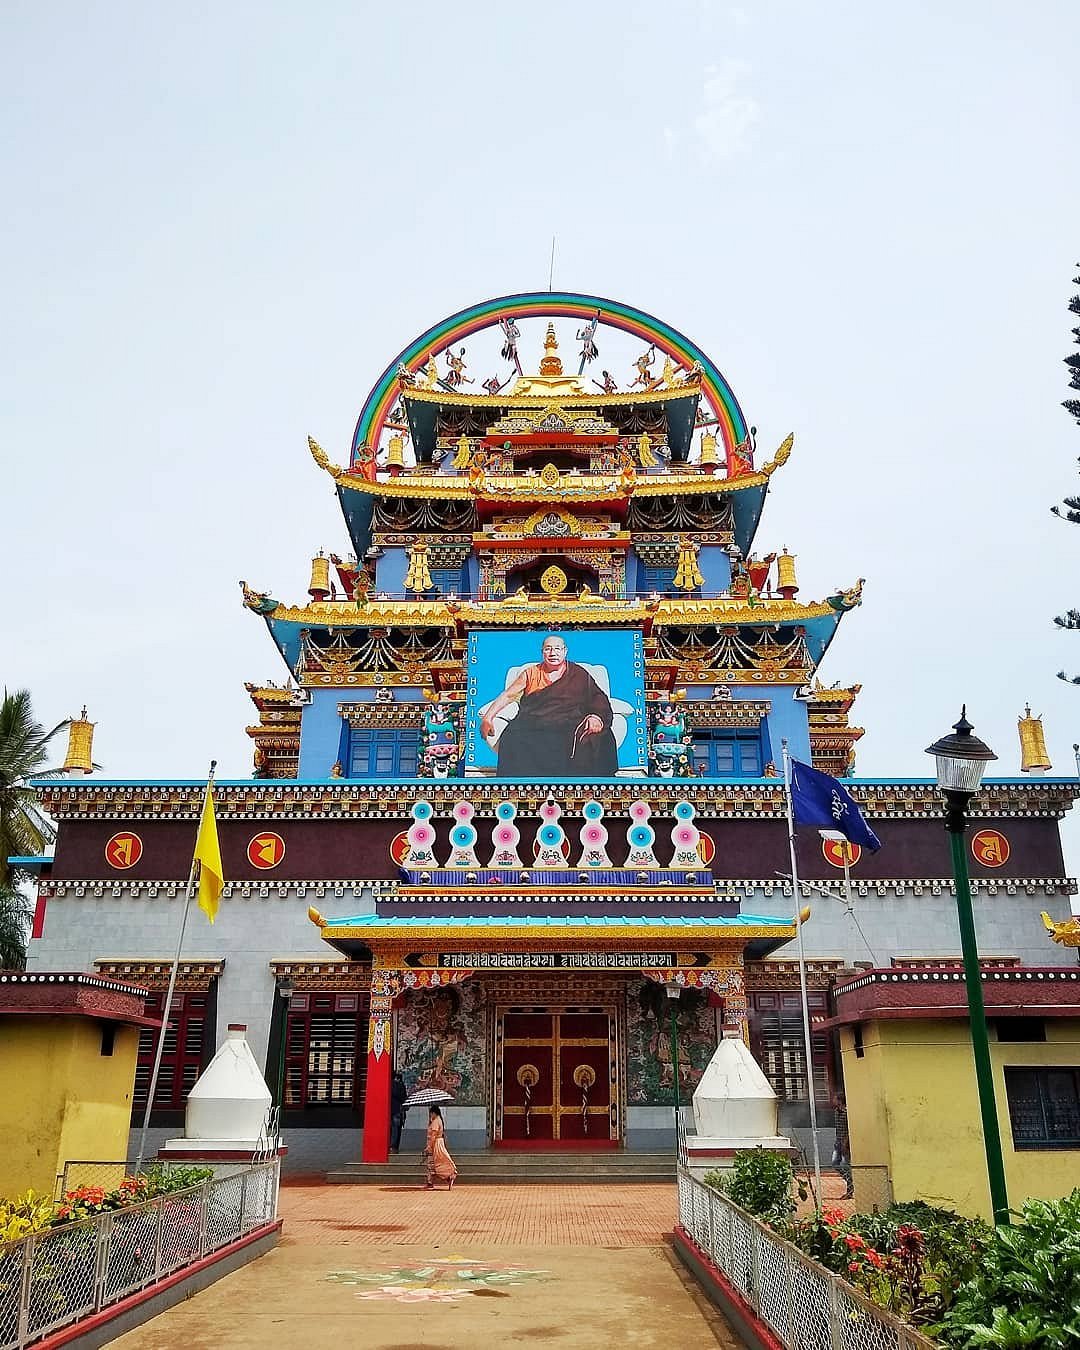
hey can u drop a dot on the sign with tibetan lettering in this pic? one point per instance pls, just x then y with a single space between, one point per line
991 848
557 960
266 851
123 851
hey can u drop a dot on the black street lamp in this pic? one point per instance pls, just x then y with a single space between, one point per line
961 761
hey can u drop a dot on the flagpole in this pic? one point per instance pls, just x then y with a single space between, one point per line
189 892
802 976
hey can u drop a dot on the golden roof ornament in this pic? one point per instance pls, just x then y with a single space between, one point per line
79 757
395 454
1033 756
646 457
463 453
418 577
550 363
319 586
1066 933
786 581
708 459
687 573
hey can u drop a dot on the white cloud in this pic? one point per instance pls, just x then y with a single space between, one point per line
727 114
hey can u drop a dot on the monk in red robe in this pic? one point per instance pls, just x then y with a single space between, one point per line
563 723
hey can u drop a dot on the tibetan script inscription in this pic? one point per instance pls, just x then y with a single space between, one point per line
556 960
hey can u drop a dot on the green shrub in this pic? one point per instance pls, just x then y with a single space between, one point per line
761 1181
1025 1290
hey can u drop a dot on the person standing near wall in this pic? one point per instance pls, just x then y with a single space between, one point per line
841 1156
398 1109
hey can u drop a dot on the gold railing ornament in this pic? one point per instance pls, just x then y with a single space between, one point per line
528 1076
584 1078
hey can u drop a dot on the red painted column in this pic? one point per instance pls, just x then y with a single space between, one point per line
376 1144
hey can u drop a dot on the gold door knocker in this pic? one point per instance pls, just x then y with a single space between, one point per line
528 1076
584 1078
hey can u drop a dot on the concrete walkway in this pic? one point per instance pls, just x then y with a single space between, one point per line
398 1269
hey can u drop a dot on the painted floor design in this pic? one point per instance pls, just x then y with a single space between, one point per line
441 1280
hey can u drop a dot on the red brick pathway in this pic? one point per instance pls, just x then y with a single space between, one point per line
534 1216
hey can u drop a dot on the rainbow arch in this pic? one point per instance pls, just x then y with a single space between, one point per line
552 304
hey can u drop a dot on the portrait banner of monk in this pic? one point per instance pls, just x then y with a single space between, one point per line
556 705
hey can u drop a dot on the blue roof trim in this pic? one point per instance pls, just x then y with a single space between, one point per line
556 921
30 861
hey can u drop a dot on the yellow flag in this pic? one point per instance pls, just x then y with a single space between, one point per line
208 856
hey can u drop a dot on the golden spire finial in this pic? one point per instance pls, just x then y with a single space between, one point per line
1033 756
319 585
79 757
708 450
786 582
551 364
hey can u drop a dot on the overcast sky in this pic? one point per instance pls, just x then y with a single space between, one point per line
222 220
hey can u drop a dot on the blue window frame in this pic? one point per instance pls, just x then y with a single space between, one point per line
446 579
658 579
727 754
383 753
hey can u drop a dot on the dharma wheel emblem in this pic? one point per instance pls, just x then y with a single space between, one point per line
554 581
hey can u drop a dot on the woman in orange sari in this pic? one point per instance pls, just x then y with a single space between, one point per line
436 1155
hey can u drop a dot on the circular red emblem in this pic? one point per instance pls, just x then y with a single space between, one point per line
123 851
836 850
706 848
991 848
399 848
265 851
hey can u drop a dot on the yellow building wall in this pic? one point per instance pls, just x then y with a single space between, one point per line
913 1106
62 1099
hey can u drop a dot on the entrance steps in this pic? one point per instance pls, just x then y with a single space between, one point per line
527 1167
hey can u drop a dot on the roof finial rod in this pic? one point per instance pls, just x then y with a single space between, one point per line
551 269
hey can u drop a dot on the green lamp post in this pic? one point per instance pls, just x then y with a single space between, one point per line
673 992
961 761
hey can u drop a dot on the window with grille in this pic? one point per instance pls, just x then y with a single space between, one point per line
383 752
1044 1107
727 754
447 579
778 1044
181 1056
658 580
326 1050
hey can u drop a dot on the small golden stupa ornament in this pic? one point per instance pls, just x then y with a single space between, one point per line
708 458
550 363
319 586
80 747
1033 756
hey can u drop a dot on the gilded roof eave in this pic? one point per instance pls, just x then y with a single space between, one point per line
688 388
727 610
570 487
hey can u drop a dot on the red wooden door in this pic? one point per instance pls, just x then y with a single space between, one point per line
559 1078
528 1078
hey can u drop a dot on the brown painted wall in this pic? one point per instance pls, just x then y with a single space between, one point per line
349 850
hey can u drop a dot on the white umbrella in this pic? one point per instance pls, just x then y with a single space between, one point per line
428 1097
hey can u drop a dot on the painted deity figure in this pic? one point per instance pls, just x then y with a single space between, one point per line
587 337
440 742
455 369
511 337
433 1040
606 384
643 366
669 744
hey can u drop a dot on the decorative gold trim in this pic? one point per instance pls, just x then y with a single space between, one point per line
192 977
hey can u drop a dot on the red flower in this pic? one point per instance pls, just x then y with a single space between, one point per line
854 1267
875 1258
909 1241
855 1242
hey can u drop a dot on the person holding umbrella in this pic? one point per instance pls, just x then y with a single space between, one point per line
437 1160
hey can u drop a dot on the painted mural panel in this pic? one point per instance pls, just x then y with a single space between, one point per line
442 1041
649 1071
556 705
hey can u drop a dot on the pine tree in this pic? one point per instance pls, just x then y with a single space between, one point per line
1070 507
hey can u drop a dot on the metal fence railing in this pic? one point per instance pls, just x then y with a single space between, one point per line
79 1172
55 1277
806 1306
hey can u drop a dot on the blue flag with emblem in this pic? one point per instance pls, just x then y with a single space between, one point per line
817 799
